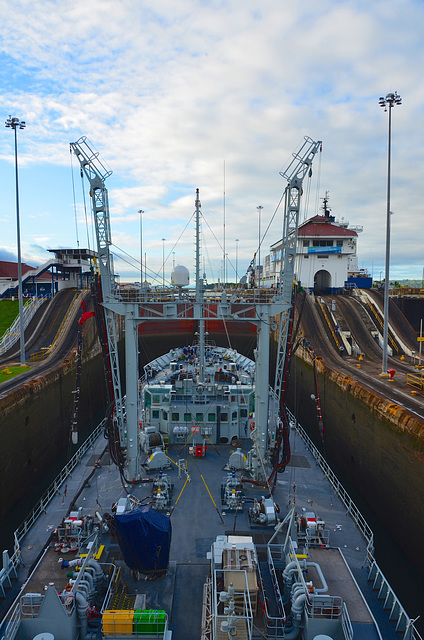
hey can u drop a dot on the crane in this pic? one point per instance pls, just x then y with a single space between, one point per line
97 172
299 167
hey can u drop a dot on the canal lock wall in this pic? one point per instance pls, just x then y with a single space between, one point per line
35 418
375 444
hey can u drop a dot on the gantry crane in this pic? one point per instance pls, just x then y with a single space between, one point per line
259 312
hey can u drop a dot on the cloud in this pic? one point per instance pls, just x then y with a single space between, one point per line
7 256
169 92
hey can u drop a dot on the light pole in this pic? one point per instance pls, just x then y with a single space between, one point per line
259 248
163 262
140 211
15 124
237 241
387 103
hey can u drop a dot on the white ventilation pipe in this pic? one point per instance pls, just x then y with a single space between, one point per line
324 587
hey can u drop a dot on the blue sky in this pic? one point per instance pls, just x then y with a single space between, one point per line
171 92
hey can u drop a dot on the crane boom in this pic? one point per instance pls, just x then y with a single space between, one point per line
96 173
299 167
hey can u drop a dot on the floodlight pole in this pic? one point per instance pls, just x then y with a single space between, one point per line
387 103
15 124
140 211
259 246
163 263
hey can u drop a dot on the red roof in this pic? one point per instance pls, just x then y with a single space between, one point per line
10 269
324 227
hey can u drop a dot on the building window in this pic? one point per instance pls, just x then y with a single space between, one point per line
322 243
322 255
339 243
306 256
306 243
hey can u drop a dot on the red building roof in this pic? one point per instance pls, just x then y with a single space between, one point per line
10 269
323 226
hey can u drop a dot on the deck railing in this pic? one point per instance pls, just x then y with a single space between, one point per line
404 625
22 530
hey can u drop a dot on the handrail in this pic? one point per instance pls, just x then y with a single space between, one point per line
49 494
404 624
44 353
12 334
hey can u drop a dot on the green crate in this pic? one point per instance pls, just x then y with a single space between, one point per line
149 621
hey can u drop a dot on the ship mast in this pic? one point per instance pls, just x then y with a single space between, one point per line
200 294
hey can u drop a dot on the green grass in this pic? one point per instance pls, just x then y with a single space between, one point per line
9 310
13 371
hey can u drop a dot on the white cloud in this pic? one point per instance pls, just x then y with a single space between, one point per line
169 91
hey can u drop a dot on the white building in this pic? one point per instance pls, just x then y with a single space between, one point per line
326 257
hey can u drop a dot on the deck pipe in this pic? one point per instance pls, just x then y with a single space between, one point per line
324 587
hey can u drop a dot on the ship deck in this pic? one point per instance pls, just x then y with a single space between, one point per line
197 519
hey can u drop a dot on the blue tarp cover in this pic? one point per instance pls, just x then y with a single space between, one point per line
144 537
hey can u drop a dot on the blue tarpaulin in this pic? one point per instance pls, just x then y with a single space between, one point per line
144 537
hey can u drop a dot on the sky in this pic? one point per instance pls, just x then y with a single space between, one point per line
215 95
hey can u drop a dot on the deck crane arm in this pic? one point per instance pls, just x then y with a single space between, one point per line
298 169
96 173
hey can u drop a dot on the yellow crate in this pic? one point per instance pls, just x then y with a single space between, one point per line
118 622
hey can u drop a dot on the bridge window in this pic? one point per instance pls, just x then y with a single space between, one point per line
211 417
224 417
199 417
155 414
175 417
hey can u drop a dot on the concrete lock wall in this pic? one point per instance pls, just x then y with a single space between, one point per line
376 445
35 419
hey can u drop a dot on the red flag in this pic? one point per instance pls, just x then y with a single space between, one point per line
85 316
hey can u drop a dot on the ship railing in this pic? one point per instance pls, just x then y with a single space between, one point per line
274 553
325 606
242 601
346 623
130 624
404 625
52 491
351 508
239 296
25 605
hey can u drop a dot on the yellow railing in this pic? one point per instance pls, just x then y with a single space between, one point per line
336 337
415 380
44 353
380 322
